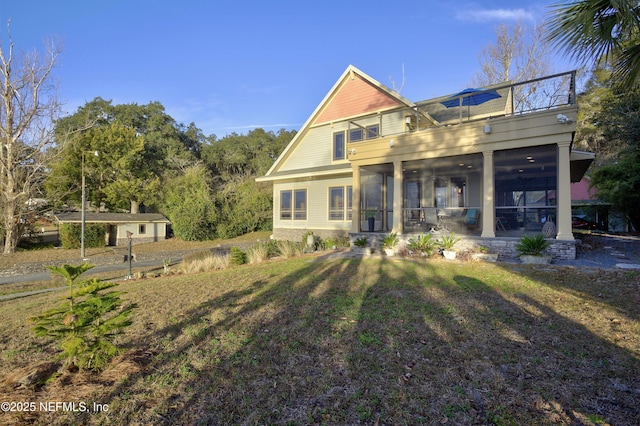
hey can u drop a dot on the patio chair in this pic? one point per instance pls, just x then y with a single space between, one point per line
470 218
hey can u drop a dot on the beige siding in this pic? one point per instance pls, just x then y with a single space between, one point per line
312 151
316 148
317 205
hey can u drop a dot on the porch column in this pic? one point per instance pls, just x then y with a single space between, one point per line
355 199
563 198
398 223
488 204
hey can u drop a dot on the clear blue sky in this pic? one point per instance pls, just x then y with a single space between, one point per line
234 65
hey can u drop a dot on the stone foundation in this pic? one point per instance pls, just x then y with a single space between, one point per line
504 247
298 234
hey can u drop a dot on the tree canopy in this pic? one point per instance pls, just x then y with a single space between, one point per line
204 185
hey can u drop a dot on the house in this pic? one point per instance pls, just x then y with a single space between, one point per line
144 227
482 163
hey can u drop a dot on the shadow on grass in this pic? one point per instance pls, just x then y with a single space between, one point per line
348 341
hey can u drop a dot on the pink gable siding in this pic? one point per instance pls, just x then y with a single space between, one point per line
355 97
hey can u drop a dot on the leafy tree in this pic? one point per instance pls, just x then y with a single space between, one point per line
619 184
113 175
245 206
188 204
139 145
247 155
609 125
606 118
591 30
28 106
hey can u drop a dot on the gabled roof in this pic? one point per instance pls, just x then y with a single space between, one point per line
110 218
354 94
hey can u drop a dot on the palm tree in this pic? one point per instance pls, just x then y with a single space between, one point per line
590 30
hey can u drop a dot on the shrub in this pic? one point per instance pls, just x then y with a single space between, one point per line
289 248
361 242
447 242
258 253
338 241
390 241
189 205
204 261
71 234
532 245
238 257
423 244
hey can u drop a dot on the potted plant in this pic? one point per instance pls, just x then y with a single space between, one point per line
361 243
531 249
423 244
389 243
370 213
447 242
484 255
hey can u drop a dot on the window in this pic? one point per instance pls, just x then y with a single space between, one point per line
293 204
339 206
373 131
300 212
362 133
285 205
142 229
336 203
338 146
356 135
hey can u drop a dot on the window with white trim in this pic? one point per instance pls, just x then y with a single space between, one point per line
285 205
300 203
338 146
340 202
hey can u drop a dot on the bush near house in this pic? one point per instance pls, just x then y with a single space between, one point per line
70 235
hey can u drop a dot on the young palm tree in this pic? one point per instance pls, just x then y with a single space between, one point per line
594 29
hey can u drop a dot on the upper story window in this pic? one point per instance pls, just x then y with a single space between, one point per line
373 131
362 133
338 146
356 135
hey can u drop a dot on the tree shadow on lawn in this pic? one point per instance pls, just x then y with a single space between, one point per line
349 341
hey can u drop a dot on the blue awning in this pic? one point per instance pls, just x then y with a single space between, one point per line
470 97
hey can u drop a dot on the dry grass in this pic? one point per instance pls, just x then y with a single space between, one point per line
51 255
351 341
204 261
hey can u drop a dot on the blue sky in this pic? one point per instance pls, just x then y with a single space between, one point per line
234 65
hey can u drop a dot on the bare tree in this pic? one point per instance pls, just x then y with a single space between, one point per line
519 54
28 107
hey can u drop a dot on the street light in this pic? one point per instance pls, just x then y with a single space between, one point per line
83 209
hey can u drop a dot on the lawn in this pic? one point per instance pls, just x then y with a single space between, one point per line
325 340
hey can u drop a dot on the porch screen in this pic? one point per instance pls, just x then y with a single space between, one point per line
525 187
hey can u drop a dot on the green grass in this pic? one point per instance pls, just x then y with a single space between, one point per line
347 341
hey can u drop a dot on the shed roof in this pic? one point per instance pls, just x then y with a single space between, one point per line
111 218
